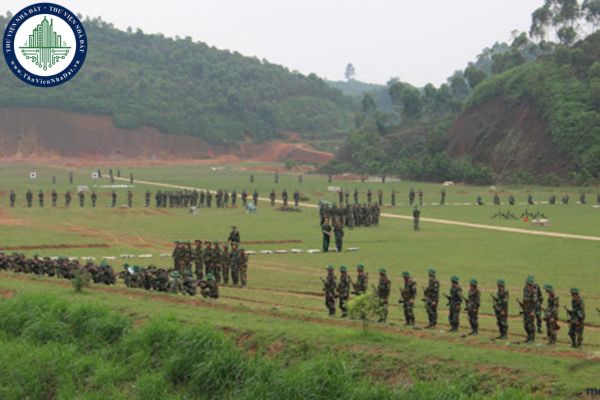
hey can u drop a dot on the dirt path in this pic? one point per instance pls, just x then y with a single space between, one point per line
407 217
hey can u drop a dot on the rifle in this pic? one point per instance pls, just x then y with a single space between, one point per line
401 301
447 297
570 314
522 307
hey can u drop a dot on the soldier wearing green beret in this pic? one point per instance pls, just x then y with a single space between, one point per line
500 303
530 301
362 280
383 293
407 298
174 285
551 314
472 306
454 302
209 287
576 318
431 297
343 290
329 287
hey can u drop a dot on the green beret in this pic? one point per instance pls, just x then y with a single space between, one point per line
530 279
360 267
330 268
210 277
177 242
125 266
454 278
473 282
382 270
136 268
431 271
174 274
548 287
406 274
343 268
574 291
500 282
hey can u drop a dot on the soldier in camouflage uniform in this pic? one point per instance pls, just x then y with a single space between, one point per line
216 261
41 198
362 280
338 233
29 198
129 198
454 302
209 287
174 285
113 197
243 265
272 197
530 300
12 198
343 290
538 306
472 306
329 287
225 260
432 294
501 308
576 318
383 292
94 198
81 196
199 259
407 298
234 262
551 314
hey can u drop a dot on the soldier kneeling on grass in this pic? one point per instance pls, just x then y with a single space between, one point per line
209 287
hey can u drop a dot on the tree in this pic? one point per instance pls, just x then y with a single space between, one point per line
368 105
366 308
591 11
474 75
350 72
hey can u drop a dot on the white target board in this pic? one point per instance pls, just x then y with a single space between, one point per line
33 175
95 175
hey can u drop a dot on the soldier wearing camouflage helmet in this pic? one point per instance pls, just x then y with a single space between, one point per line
407 298
383 293
473 303
343 290
500 302
432 294
362 280
551 314
329 287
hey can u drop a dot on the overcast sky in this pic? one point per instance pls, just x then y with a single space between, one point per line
418 41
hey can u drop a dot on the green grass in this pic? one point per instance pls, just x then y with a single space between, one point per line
272 311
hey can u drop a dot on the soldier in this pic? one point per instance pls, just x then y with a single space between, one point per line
380 197
54 197
209 287
113 199
383 293
528 307
479 201
355 195
530 200
454 301
347 198
565 199
501 308
369 196
81 198
148 196
496 199
208 258
551 314
511 199
41 198
472 306
420 197
199 259
326 230
70 178
296 198
362 279
411 197
216 261
329 178
234 263
416 218
431 294
244 198
576 318
407 298
255 198
174 285
243 265
225 264
12 198
338 233
343 290
234 236
131 178
53 180
284 197
129 198
209 197
29 197
340 197
272 197
234 199
94 198
67 199
393 198
582 198
251 178
443 197
276 177
329 287
552 200
188 285
538 306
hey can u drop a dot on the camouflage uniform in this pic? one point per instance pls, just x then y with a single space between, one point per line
432 294
501 309
329 287
407 298
243 265
209 287
530 300
199 260
362 279
538 307
551 314
343 289
576 318
383 292
473 303
454 302
225 260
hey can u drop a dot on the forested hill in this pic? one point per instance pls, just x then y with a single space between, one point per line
185 87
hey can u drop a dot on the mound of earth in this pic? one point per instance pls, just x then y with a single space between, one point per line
507 137
41 134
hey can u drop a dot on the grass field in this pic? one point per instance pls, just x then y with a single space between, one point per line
282 311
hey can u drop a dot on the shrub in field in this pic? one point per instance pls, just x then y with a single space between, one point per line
366 308
81 280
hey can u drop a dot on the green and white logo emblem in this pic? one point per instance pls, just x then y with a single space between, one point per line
46 45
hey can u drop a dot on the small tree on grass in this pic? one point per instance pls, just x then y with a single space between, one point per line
366 308
81 279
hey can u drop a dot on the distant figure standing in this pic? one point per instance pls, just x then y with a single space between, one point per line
284 197
420 197
67 199
393 198
496 199
511 200
118 172
416 218
479 201
380 197
148 197
530 200
582 198
54 197
276 177
296 198
329 178
411 197
326 230
70 178
338 233
129 198
29 197
369 196
131 178
355 195
234 236
53 180
41 198
272 197
81 198
565 199
113 199
443 197
12 198
251 178
94 198
598 198
255 198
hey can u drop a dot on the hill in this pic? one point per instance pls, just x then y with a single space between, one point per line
179 86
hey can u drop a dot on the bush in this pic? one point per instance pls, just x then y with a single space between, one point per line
81 279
